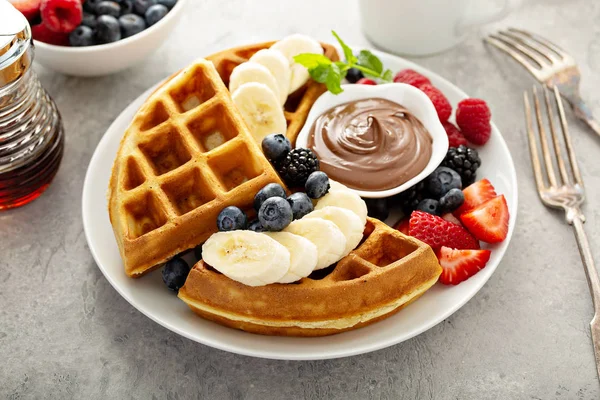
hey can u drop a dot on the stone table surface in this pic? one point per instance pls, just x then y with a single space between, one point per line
66 333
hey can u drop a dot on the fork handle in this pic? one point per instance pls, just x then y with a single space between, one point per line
583 112
593 282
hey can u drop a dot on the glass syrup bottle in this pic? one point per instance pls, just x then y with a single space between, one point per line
31 129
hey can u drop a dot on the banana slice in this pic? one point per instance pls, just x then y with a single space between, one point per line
303 255
291 46
279 67
335 185
251 258
252 72
349 223
260 109
347 199
328 238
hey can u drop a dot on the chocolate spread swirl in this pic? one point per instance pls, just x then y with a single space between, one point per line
371 144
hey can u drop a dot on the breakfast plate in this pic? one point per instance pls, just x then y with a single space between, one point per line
149 295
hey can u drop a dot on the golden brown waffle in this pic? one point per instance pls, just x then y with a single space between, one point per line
186 156
298 104
387 271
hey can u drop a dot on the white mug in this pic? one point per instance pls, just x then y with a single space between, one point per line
420 27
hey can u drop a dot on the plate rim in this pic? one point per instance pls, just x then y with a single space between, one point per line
336 353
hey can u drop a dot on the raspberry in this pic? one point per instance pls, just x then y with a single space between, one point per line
440 102
366 81
411 77
43 34
473 117
61 15
455 138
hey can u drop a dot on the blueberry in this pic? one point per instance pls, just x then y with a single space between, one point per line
168 3
452 200
108 8
175 273
256 226
231 219
317 185
131 24
271 190
198 252
90 5
441 181
107 29
377 208
155 13
276 146
126 7
141 6
82 36
354 75
89 20
275 214
301 204
430 206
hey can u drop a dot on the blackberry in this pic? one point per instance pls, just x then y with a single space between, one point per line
297 165
465 161
410 198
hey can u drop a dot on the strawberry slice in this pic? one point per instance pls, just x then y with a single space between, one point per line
438 232
451 218
488 221
403 225
29 8
460 265
61 15
476 194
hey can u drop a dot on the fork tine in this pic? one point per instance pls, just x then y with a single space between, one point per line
511 41
567 137
533 45
555 142
542 41
533 151
528 64
543 140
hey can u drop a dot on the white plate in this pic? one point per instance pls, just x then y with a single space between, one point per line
149 295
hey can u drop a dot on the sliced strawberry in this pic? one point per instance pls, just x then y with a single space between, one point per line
29 8
488 221
43 34
61 15
460 265
476 194
403 225
437 232
451 218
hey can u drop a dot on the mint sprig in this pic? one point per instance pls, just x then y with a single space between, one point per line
323 70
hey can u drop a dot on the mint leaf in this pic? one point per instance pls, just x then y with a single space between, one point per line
334 78
343 67
320 73
310 60
369 60
387 75
350 58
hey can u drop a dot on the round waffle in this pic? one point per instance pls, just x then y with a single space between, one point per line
386 272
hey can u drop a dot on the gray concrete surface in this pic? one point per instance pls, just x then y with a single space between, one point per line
65 333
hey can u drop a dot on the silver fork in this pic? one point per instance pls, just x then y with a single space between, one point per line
549 64
564 191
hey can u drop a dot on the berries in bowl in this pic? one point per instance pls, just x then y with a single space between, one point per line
93 37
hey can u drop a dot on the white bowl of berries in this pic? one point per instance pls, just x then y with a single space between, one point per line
97 37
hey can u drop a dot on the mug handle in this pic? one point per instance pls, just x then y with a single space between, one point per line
475 18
